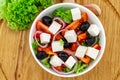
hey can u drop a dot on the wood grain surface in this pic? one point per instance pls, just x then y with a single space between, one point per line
17 63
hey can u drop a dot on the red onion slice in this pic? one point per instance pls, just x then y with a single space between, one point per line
79 32
42 46
78 43
66 73
57 34
69 52
59 19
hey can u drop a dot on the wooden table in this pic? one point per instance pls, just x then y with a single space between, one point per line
17 62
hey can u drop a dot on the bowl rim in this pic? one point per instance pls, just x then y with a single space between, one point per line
72 75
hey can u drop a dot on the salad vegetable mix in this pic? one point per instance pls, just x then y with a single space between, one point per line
65 41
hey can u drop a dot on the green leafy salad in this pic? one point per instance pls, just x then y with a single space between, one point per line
20 13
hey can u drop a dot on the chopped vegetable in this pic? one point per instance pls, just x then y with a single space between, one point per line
20 13
34 46
49 51
96 46
73 46
45 61
63 13
39 48
41 26
84 17
83 43
59 68
66 69
74 25
80 67
98 40
60 21
58 37
61 42
86 59
82 36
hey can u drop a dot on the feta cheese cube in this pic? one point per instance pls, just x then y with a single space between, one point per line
57 46
81 51
70 62
54 27
70 36
45 38
92 52
76 13
56 61
93 30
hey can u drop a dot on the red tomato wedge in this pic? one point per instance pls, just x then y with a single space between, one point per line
86 59
42 27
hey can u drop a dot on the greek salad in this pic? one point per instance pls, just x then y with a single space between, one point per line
66 41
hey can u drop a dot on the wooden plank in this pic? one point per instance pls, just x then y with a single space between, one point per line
17 63
9 49
116 5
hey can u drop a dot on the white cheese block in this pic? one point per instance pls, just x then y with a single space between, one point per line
54 27
70 62
45 38
76 14
92 52
93 30
81 51
56 46
70 36
56 61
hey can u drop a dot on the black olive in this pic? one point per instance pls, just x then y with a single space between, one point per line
90 41
63 55
84 26
47 20
41 55
66 44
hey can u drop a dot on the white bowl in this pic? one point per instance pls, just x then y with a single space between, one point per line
92 19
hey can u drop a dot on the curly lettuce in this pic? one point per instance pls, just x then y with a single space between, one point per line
80 67
20 13
63 13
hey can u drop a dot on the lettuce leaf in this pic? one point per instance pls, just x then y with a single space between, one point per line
63 13
80 67
61 42
34 46
66 69
20 13
46 62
